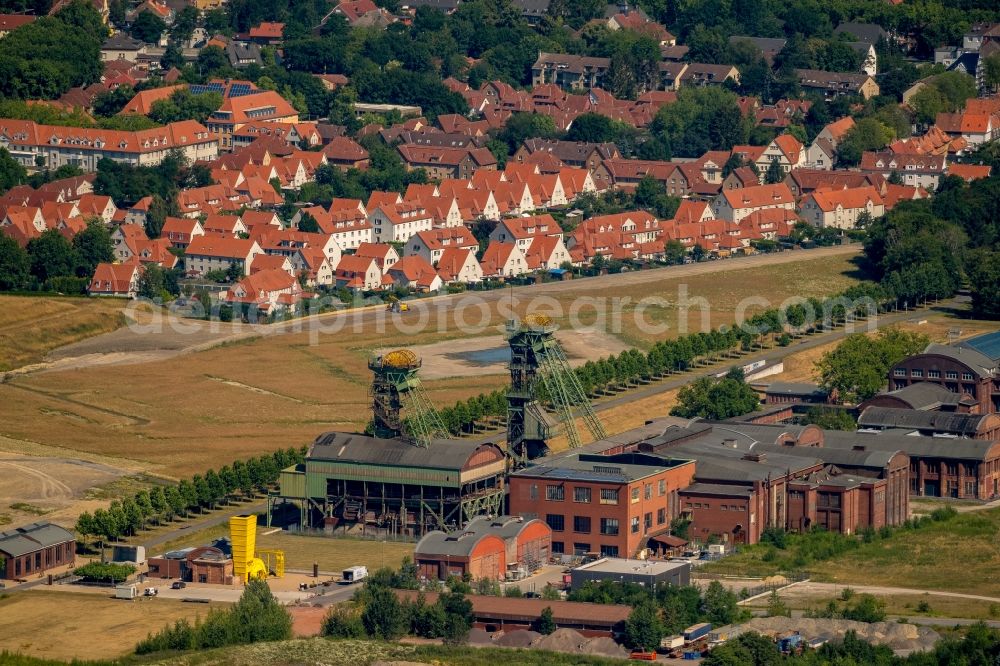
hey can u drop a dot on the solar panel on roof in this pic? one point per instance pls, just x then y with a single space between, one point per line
987 344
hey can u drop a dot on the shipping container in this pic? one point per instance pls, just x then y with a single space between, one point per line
696 631
671 642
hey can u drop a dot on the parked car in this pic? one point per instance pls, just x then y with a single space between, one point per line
178 585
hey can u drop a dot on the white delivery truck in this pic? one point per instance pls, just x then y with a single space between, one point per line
354 575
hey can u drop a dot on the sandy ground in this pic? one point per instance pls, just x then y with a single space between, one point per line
47 486
457 358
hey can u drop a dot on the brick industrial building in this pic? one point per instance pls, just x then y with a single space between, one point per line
607 504
34 549
967 367
203 564
487 548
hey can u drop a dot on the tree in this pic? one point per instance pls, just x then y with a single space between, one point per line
458 613
643 628
343 621
776 607
151 282
11 171
984 280
991 70
867 134
93 246
51 255
856 369
775 174
830 419
383 616
147 27
15 265
259 616
308 224
715 399
720 604
173 56
702 119
211 60
546 623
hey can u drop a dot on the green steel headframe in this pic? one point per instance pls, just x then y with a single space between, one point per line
396 388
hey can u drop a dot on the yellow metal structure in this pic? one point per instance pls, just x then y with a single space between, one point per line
247 564
401 358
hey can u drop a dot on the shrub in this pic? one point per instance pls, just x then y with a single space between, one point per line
343 621
97 571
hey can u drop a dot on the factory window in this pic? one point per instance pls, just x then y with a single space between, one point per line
647 521
38 560
532 492
609 496
916 373
724 507
661 516
17 567
635 524
899 372
662 490
970 488
555 493
609 526
581 524
796 495
967 376
951 374
635 494
952 468
609 551
558 547
649 491
933 374
581 495
556 522
581 548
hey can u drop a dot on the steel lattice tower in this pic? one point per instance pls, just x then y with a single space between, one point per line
395 388
537 360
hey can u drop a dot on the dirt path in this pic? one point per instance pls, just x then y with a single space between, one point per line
835 588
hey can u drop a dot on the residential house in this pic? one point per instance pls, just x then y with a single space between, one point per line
734 205
180 231
399 222
547 253
523 230
358 273
346 153
786 149
503 260
579 154
923 171
313 264
228 226
822 153
262 106
11 22
836 84
975 128
120 46
385 255
267 33
840 209
459 266
740 177
413 272
53 146
444 162
214 253
117 280
803 181
430 245
266 291
703 74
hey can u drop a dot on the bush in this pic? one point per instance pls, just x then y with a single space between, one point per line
343 621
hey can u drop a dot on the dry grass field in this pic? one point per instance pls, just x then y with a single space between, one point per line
193 411
84 626
938 606
32 327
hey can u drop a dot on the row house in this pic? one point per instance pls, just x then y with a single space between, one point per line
840 209
293 134
441 162
349 227
923 171
459 266
576 72
213 253
199 201
734 205
288 242
32 144
503 260
837 84
358 273
803 181
346 153
227 226
130 243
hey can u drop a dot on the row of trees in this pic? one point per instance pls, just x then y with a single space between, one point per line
709 398
161 504
258 616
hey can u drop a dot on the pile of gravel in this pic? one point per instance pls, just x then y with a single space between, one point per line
479 636
892 634
605 647
519 638
561 640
